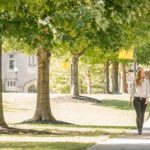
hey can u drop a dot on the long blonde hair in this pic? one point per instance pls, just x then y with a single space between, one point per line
138 77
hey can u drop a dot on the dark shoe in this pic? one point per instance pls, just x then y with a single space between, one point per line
140 131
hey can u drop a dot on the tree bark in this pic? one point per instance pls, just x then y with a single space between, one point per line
43 111
81 86
115 87
88 82
123 79
107 82
2 120
74 76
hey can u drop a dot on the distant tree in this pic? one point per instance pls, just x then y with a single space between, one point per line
5 25
82 22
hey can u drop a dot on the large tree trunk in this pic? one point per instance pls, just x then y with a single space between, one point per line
88 82
74 76
106 72
115 87
2 120
81 86
123 79
43 111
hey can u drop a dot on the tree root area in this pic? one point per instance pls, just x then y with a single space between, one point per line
32 121
12 131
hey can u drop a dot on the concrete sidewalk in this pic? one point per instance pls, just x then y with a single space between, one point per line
130 141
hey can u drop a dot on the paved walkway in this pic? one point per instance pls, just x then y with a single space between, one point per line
130 141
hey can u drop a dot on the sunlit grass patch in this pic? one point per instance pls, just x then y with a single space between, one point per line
117 104
44 146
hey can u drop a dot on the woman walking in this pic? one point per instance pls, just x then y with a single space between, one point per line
139 95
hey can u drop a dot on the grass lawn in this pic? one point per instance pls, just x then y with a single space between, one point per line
119 104
43 146
90 123
69 137
63 130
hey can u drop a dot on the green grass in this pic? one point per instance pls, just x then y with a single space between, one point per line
148 107
76 126
44 146
69 130
75 130
119 104
59 133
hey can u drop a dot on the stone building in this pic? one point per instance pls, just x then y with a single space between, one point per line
19 72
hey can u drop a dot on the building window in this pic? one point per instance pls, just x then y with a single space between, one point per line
11 83
32 89
11 62
14 83
32 61
11 56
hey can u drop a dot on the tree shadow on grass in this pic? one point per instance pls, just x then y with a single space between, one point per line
14 130
11 131
78 126
86 99
79 98
61 132
30 121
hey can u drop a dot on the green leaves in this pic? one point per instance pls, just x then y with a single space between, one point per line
79 25
72 26
143 54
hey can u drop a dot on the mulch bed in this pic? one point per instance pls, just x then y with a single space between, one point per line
81 99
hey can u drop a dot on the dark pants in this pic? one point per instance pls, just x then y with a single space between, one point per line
140 107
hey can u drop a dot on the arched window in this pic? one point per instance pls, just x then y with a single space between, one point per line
32 89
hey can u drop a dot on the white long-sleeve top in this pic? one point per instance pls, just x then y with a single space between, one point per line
140 91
